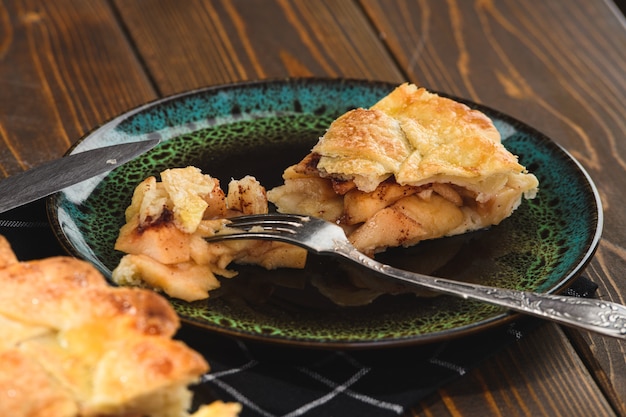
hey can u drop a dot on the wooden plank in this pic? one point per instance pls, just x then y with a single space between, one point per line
226 41
539 376
563 76
71 69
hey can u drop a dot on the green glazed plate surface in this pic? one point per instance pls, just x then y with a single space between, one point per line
261 128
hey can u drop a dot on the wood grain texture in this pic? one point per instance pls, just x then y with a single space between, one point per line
227 41
533 378
70 69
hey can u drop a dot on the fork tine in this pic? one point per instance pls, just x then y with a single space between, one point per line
283 227
272 216
287 221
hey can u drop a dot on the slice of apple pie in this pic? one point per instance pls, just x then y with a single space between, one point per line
414 166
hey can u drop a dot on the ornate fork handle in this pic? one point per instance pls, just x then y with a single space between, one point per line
594 315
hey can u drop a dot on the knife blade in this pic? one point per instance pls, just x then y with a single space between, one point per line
53 176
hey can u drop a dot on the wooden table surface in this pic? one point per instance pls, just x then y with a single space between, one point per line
66 66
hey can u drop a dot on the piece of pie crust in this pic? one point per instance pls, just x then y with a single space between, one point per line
71 345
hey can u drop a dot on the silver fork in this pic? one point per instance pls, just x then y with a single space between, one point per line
323 237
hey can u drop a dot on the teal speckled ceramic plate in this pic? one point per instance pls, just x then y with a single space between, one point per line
262 127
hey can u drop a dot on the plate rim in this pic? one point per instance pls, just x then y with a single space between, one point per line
478 326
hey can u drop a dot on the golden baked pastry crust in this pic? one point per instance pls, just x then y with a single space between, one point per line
71 345
419 138
364 145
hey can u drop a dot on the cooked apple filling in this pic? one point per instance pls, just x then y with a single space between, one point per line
166 226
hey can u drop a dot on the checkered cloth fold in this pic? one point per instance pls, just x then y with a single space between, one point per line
273 381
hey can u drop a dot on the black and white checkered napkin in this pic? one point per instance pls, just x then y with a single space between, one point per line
272 381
